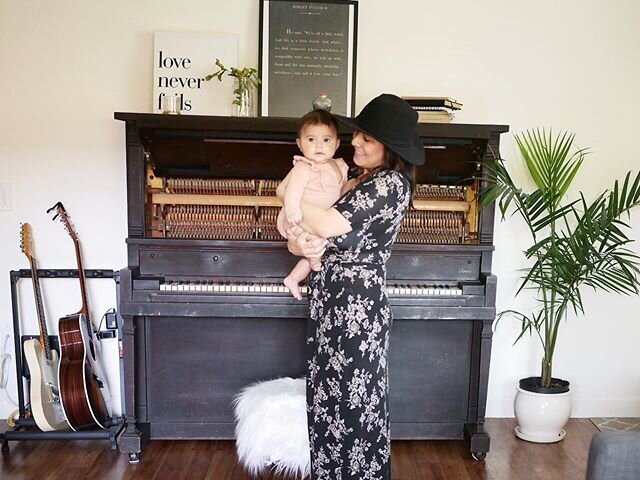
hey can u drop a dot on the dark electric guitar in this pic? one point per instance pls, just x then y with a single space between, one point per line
84 392
41 359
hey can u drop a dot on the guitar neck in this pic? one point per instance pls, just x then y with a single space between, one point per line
44 336
62 213
83 290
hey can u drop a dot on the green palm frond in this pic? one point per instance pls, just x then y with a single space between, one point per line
549 163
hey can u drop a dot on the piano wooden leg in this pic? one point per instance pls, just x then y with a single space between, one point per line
135 435
477 440
133 439
475 437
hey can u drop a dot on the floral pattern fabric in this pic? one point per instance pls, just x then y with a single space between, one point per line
348 336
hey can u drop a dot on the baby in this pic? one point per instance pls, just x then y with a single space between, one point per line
316 178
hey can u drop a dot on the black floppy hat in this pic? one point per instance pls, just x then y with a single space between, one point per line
391 121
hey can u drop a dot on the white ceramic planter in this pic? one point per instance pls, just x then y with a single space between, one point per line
541 416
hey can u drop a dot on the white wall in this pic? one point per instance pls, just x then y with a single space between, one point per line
68 65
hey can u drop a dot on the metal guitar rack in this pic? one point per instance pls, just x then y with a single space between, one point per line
25 427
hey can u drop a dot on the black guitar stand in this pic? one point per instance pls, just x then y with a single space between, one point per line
25 426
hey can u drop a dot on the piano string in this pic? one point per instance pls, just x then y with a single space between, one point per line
241 209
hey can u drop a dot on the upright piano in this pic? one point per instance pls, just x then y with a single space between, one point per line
205 313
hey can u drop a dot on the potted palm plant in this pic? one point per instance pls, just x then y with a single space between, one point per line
574 243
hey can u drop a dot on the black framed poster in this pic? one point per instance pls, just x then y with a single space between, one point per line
307 47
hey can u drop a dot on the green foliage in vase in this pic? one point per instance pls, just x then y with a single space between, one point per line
574 243
247 78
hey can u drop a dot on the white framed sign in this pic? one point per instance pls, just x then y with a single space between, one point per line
180 63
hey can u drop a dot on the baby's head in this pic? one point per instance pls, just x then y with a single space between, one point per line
318 136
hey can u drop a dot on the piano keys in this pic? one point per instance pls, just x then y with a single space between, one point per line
211 287
204 307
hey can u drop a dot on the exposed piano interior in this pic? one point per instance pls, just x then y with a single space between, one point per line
205 313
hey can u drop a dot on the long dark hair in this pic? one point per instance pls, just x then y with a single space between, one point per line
393 161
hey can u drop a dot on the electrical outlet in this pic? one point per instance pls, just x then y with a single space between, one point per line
5 196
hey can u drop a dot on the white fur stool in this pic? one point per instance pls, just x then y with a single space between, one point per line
271 428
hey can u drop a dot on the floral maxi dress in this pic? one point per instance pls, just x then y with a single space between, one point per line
348 336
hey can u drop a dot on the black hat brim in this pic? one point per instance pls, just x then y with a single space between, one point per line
410 153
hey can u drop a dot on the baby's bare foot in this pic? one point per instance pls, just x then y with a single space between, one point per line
293 287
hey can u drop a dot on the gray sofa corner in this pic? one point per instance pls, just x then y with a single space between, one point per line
614 456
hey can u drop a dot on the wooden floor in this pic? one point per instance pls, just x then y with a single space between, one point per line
508 459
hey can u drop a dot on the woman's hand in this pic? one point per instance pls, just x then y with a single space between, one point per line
305 244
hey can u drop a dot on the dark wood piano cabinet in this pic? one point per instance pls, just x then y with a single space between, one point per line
190 346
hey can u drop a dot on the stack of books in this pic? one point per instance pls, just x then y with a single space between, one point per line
434 109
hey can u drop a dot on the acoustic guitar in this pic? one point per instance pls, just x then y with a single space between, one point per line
41 359
84 392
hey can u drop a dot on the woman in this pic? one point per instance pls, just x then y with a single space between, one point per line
350 317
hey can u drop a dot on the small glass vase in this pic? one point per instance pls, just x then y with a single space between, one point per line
244 98
322 102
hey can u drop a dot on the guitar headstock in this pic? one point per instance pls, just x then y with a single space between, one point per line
64 218
25 240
